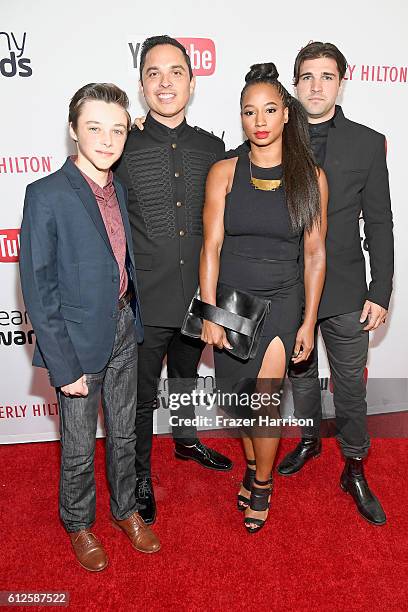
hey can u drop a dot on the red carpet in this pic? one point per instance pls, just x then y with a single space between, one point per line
314 554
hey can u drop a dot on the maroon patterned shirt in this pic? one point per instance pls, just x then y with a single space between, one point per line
112 218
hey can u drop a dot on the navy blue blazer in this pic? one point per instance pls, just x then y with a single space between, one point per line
69 275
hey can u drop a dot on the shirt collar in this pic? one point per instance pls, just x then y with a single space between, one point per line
161 130
320 129
102 194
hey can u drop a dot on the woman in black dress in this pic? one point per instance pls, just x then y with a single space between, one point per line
258 207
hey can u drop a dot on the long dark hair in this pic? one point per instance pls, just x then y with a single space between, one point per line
299 169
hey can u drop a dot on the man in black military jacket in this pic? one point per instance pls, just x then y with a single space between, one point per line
165 167
353 157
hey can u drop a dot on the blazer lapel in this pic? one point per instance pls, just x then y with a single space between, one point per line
120 194
337 147
85 194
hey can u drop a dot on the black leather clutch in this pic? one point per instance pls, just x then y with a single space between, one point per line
241 314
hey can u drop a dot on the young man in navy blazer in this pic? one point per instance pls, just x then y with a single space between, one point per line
78 280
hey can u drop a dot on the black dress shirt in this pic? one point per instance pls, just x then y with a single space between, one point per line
318 139
165 171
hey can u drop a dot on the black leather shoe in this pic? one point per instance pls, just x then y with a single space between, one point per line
145 497
353 481
296 459
207 457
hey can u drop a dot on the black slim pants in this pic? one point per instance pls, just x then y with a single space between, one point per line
183 357
347 347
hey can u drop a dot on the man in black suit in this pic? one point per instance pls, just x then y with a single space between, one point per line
78 280
165 166
354 159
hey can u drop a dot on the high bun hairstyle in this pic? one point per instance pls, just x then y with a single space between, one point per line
260 73
299 169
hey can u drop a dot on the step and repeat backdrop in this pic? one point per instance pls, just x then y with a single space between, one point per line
48 50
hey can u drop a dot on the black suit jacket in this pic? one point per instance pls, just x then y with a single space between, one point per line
356 169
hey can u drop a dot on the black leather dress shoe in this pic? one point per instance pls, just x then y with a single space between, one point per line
296 459
145 497
207 457
353 481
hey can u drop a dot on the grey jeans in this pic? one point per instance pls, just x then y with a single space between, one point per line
117 384
347 347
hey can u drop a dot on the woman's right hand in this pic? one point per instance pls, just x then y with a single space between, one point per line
214 334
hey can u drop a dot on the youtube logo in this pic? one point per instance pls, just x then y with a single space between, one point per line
201 51
202 55
9 245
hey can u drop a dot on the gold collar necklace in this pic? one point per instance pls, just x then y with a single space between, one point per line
263 184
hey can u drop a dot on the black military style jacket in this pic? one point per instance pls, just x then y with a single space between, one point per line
165 171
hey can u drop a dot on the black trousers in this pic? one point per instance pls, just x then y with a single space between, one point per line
347 347
183 356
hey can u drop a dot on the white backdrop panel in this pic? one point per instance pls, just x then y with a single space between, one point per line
49 49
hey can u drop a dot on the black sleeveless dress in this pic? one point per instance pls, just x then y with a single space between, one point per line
260 256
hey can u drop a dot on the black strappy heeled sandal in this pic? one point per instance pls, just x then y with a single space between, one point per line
259 501
247 481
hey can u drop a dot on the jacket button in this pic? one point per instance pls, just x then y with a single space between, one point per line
177 174
178 204
181 262
181 232
174 146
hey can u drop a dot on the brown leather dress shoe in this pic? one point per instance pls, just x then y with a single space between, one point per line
140 535
88 550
